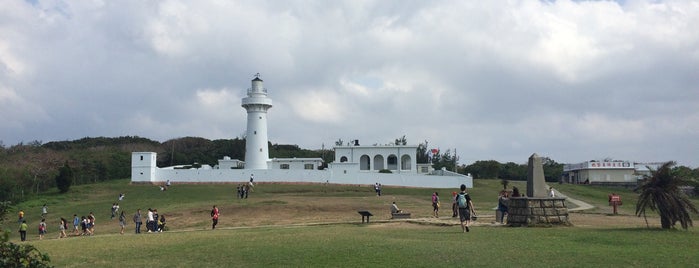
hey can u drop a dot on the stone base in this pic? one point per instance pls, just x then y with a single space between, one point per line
532 211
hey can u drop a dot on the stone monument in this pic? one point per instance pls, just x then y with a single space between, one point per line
537 208
536 184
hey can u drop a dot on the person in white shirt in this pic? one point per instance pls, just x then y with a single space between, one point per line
394 208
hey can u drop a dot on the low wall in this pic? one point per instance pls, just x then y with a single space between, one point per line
529 211
305 176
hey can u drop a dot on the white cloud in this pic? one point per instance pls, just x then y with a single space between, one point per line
573 80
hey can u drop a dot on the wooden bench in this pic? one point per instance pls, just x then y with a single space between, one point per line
400 215
365 213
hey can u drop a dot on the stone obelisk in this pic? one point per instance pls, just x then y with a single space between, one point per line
536 184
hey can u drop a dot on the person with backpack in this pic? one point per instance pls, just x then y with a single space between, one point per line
466 209
42 229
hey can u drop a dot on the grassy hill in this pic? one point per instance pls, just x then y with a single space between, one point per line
317 225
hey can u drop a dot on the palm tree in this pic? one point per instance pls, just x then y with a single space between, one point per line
661 192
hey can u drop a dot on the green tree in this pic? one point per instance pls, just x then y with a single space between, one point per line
661 192
484 169
512 171
64 178
552 170
445 160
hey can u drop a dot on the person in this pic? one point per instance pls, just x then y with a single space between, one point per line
121 196
76 223
84 225
502 206
23 230
515 192
167 183
394 208
161 223
454 209
91 223
44 211
42 229
122 222
435 204
62 228
155 220
149 220
114 207
137 220
246 190
551 193
466 209
376 188
214 217
380 188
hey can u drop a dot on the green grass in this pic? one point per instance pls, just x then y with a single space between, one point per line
353 245
341 241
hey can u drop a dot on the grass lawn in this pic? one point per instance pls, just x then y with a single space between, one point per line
317 225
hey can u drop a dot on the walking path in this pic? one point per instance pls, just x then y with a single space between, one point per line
580 205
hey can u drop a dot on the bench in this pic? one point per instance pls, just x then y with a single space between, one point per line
365 213
400 215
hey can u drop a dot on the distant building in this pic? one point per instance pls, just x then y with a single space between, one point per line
354 164
607 172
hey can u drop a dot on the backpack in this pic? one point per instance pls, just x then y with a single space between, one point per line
212 213
461 200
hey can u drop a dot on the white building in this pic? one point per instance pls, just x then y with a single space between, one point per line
607 172
354 164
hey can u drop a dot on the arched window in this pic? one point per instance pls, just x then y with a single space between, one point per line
343 159
364 162
392 162
378 162
405 162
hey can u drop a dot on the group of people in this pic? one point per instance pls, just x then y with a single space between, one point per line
154 223
377 188
86 224
244 189
462 206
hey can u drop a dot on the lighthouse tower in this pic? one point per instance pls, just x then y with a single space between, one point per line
257 103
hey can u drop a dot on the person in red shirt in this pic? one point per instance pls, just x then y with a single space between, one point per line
214 217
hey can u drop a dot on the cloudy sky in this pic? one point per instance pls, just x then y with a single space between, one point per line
500 80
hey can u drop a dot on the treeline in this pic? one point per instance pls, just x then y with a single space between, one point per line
30 169
491 169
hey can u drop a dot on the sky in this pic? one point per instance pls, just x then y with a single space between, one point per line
491 80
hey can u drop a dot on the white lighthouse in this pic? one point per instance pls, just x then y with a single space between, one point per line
257 103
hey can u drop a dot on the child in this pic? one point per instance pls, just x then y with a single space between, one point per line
42 229
161 224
